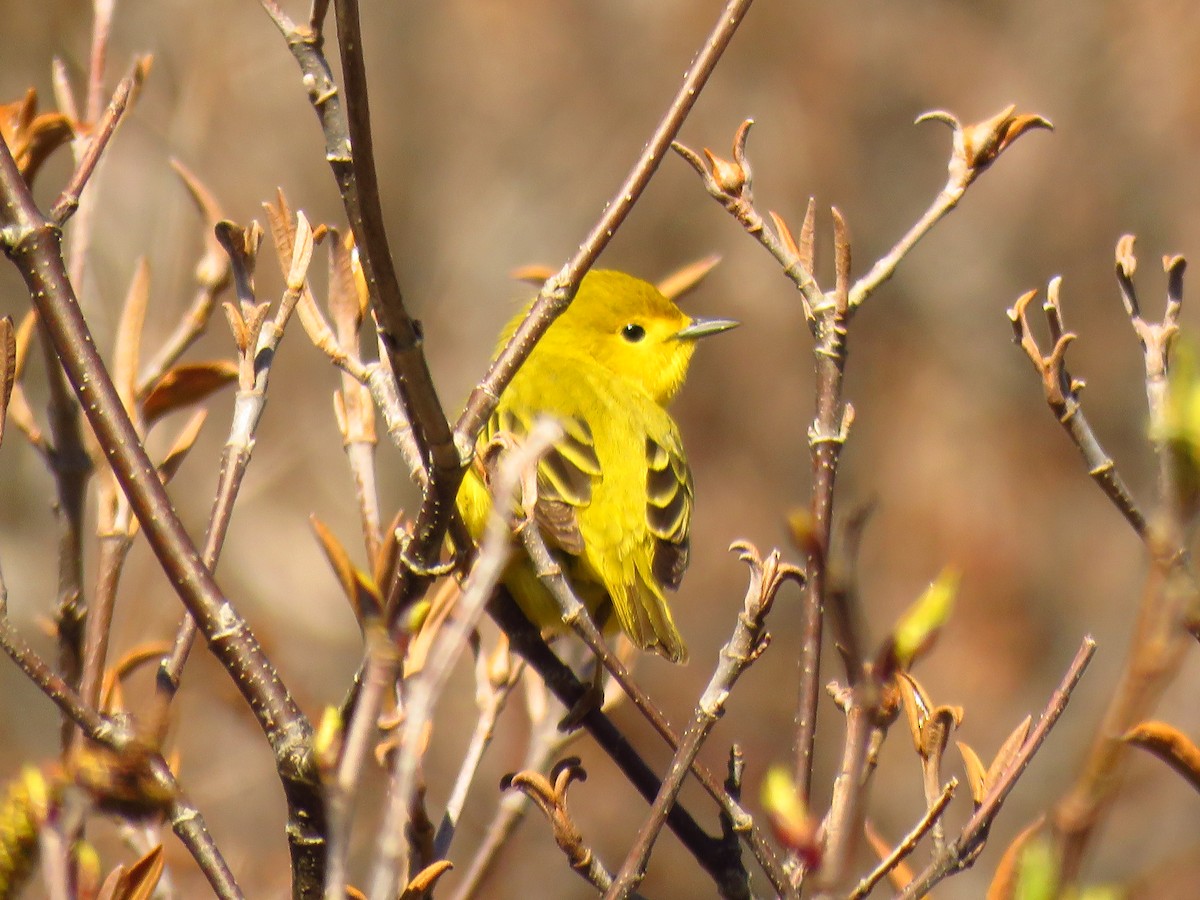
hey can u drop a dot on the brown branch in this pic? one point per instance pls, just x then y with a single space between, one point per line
715 855
68 201
747 643
908 845
496 677
186 820
962 852
425 687
32 243
546 744
1062 396
575 615
975 148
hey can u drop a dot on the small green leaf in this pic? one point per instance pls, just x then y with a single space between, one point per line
920 624
1037 872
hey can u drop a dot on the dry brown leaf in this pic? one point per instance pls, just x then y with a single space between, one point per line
900 874
425 880
916 705
389 550
143 875
360 589
31 137
444 598
683 281
184 441
1004 756
213 270
114 885
534 274
1170 745
282 225
129 339
346 308
8 367
186 385
976 773
808 230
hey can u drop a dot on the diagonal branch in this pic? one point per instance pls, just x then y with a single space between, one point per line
33 244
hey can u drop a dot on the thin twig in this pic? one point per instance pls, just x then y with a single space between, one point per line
68 201
714 855
747 643
494 689
546 744
1062 396
424 689
908 845
186 820
962 852
33 244
574 613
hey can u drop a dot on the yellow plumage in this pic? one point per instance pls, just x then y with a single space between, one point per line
615 494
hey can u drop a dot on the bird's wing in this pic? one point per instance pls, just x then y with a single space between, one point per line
669 496
565 476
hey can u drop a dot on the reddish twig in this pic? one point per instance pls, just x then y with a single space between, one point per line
747 643
32 242
962 852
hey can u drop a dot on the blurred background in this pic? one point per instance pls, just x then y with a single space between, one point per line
501 130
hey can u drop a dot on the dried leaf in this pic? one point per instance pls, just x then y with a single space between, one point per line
213 271
443 599
1170 745
186 385
785 233
1004 756
297 270
976 772
385 563
114 885
282 225
683 281
8 367
360 589
808 231
900 874
183 444
426 879
31 137
129 339
345 305
143 875
533 274
1004 881
984 141
129 663
916 705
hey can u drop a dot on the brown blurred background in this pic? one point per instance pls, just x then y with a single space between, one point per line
501 130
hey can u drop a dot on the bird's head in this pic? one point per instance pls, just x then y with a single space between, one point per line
628 326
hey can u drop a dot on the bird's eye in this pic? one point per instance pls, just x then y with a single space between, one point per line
633 332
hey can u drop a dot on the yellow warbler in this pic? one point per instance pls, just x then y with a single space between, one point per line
614 495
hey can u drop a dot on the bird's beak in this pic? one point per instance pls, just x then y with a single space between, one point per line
699 328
